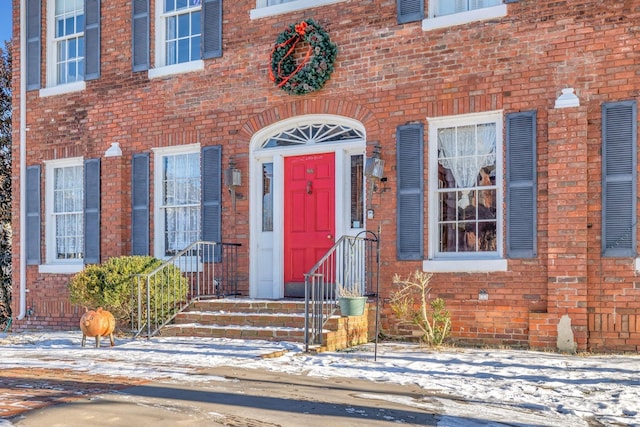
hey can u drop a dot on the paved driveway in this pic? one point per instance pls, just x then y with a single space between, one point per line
235 397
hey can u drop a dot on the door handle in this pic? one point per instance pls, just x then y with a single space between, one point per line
329 236
309 187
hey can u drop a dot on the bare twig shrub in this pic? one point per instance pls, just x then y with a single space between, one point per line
412 304
354 291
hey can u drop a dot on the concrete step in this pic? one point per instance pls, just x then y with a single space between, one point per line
293 320
247 305
234 331
281 320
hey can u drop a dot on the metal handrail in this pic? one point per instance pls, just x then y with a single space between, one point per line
349 267
201 270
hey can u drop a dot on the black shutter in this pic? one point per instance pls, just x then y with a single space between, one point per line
92 211
140 204
140 38
521 185
92 39
619 176
211 28
32 226
410 10
34 10
410 208
211 195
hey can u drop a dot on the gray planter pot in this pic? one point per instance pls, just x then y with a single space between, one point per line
352 306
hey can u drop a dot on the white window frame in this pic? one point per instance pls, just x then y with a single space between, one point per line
433 22
262 10
53 88
464 261
159 154
54 265
161 69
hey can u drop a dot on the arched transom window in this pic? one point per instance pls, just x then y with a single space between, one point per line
313 134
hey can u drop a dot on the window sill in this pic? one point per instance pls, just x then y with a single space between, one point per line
168 70
464 17
61 268
279 9
465 266
62 89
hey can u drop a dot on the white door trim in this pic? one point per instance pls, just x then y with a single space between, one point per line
258 240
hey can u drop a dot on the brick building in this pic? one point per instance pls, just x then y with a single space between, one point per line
508 131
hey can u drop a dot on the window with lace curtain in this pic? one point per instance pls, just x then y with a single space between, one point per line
65 198
179 210
466 178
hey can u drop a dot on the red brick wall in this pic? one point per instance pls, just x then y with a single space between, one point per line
386 75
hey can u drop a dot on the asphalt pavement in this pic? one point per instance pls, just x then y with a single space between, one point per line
238 397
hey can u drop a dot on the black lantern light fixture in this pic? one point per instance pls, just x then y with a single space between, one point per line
374 172
375 165
233 180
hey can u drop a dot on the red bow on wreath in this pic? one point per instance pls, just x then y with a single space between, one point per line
301 30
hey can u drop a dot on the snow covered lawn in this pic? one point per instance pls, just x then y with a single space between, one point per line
504 386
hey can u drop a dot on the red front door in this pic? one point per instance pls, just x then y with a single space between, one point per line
309 213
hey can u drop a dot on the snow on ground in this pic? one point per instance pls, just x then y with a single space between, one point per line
505 386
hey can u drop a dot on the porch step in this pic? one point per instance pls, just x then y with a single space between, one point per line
211 318
263 320
249 306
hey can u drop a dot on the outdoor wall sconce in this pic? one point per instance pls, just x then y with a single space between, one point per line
233 180
114 150
567 99
374 171
375 165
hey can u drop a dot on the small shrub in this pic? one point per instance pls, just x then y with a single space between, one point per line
411 304
109 285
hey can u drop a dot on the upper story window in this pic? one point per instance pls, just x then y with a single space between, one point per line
447 13
273 2
69 41
447 7
466 183
276 7
182 31
72 46
186 33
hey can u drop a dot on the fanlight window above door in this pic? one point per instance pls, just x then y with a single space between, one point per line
313 134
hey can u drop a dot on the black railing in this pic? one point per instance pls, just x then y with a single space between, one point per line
201 270
351 268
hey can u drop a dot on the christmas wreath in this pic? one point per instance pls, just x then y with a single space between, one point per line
307 74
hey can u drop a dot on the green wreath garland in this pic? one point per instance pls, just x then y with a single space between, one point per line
309 74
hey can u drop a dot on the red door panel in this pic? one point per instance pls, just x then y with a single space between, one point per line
309 212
